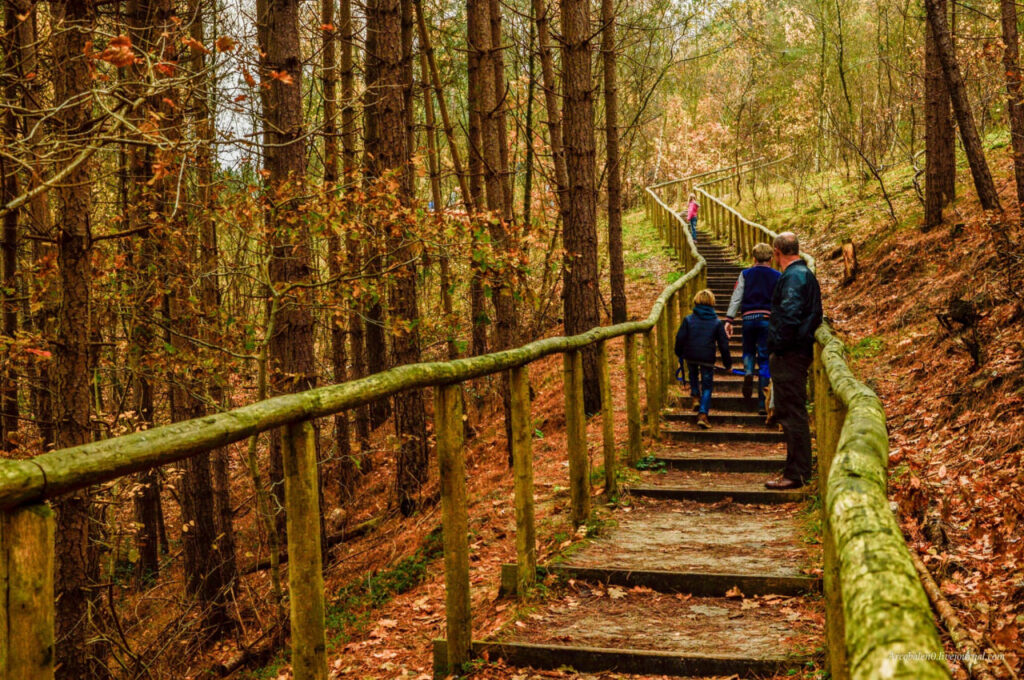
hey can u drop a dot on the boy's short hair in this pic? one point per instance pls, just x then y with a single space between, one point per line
763 252
704 297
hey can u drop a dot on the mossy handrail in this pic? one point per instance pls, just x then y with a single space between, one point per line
27 524
879 623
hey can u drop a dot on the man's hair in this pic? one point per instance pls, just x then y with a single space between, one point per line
762 252
704 297
787 243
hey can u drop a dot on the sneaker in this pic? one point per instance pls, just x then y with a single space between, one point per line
748 386
702 421
695 404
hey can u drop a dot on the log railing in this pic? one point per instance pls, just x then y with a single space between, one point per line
877 618
26 486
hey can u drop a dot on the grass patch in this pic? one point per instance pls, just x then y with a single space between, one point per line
867 347
350 610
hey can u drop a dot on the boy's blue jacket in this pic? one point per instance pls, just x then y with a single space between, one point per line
698 334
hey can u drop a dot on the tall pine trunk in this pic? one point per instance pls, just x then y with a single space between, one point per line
79 653
550 85
969 137
614 173
1014 104
940 150
579 233
9 381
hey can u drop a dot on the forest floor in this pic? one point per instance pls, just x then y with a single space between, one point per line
933 323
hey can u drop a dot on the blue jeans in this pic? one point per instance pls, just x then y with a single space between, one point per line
693 227
702 378
755 347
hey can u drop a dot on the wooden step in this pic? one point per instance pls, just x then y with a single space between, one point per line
717 418
701 584
721 400
722 462
630 661
715 495
722 434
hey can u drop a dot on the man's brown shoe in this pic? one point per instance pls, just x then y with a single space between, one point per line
748 386
702 421
783 484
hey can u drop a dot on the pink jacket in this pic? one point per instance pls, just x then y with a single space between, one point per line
691 212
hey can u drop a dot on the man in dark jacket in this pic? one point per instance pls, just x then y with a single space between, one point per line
796 314
696 339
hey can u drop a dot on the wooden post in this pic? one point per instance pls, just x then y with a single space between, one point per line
672 324
26 576
652 381
522 466
454 522
611 486
635 446
666 339
305 570
575 425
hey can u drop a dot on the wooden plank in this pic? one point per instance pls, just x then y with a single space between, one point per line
26 574
630 661
576 434
701 584
715 495
522 468
455 523
652 388
305 569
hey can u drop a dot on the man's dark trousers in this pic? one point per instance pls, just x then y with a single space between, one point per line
789 382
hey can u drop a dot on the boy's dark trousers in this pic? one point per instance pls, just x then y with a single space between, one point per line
702 380
789 381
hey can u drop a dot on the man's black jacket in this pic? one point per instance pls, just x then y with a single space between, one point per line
796 311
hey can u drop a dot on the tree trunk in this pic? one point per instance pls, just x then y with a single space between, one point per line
478 344
292 367
342 471
78 655
579 232
611 113
547 69
1014 105
530 87
375 339
10 43
940 150
224 564
969 137
500 92
388 16
353 247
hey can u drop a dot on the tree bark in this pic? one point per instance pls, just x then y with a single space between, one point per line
10 43
940 150
547 68
78 655
393 158
292 367
579 232
1014 105
969 137
616 268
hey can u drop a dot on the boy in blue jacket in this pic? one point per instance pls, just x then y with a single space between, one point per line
695 343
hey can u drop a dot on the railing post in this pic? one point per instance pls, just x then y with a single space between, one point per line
455 525
26 574
665 345
671 325
653 389
305 570
522 464
635 446
575 426
607 422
